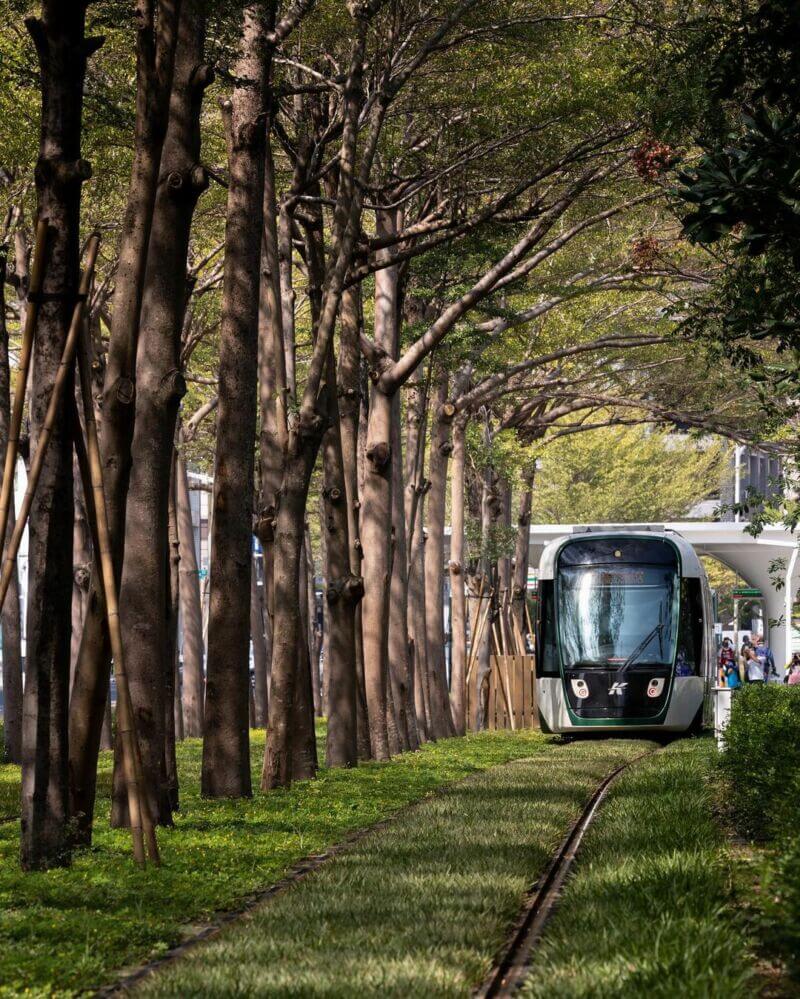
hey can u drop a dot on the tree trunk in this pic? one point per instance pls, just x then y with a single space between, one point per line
520 580
62 49
226 749
81 570
286 632
458 611
434 560
191 607
258 638
157 31
12 644
145 588
376 516
349 411
169 656
416 417
304 736
314 634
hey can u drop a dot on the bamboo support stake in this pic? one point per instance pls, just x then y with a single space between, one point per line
23 367
503 677
476 640
138 807
51 416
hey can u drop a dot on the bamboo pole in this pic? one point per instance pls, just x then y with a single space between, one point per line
473 652
51 416
141 820
503 676
23 367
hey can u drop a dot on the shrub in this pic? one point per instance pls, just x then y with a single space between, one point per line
761 759
783 892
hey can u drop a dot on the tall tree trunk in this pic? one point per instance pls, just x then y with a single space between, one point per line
81 570
63 50
314 633
157 31
416 422
376 516
434 559
191 608
400 663
520 578
287 626
12 642
226 749
145 590
504 570
169 654
349 412
304 737
458 613
258 638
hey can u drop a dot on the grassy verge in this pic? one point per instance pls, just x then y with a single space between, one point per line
418 908
69 930
647 912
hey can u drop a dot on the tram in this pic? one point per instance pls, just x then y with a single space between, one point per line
624 633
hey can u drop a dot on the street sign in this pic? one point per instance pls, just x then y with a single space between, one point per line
746 591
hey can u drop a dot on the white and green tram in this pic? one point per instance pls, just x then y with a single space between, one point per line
624 633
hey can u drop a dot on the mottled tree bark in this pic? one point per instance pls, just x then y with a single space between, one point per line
191 608
521 550
156 37
226 748
314 633
169 654
63 49
349 413
258 638
458 611
160 385
376 511
12 643
441 719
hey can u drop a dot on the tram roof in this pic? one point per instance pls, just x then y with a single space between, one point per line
691 566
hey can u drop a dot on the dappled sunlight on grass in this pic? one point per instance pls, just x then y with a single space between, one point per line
418 908
71 929
645 912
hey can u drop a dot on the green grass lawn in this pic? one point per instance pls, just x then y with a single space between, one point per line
417 908
70 930
647 912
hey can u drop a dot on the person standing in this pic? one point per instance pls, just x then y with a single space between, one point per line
754 670
792 675
727 656
766 657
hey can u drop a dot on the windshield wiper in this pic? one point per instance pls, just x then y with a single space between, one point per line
657 630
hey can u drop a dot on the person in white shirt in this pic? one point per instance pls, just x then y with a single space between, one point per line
753 667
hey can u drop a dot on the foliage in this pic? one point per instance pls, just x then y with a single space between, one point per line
761 758
68 930
646 913
428 899
623 474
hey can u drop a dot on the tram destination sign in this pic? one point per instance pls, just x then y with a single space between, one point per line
746 591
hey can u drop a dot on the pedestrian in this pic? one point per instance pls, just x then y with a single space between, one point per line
731 675
766 657
792 675
754 671
727 656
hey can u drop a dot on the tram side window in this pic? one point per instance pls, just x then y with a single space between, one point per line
547 658
690 630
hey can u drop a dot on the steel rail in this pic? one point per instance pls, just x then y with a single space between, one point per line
513 963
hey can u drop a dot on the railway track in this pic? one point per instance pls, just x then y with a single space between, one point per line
512 966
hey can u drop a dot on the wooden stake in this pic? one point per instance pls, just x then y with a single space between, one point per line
473 652
23 367
142 826
53 412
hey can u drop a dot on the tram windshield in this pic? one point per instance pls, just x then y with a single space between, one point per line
609 615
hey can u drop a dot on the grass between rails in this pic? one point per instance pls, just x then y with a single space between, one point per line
647 911
69 930
418 908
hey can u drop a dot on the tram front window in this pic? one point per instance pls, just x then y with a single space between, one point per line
608 615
